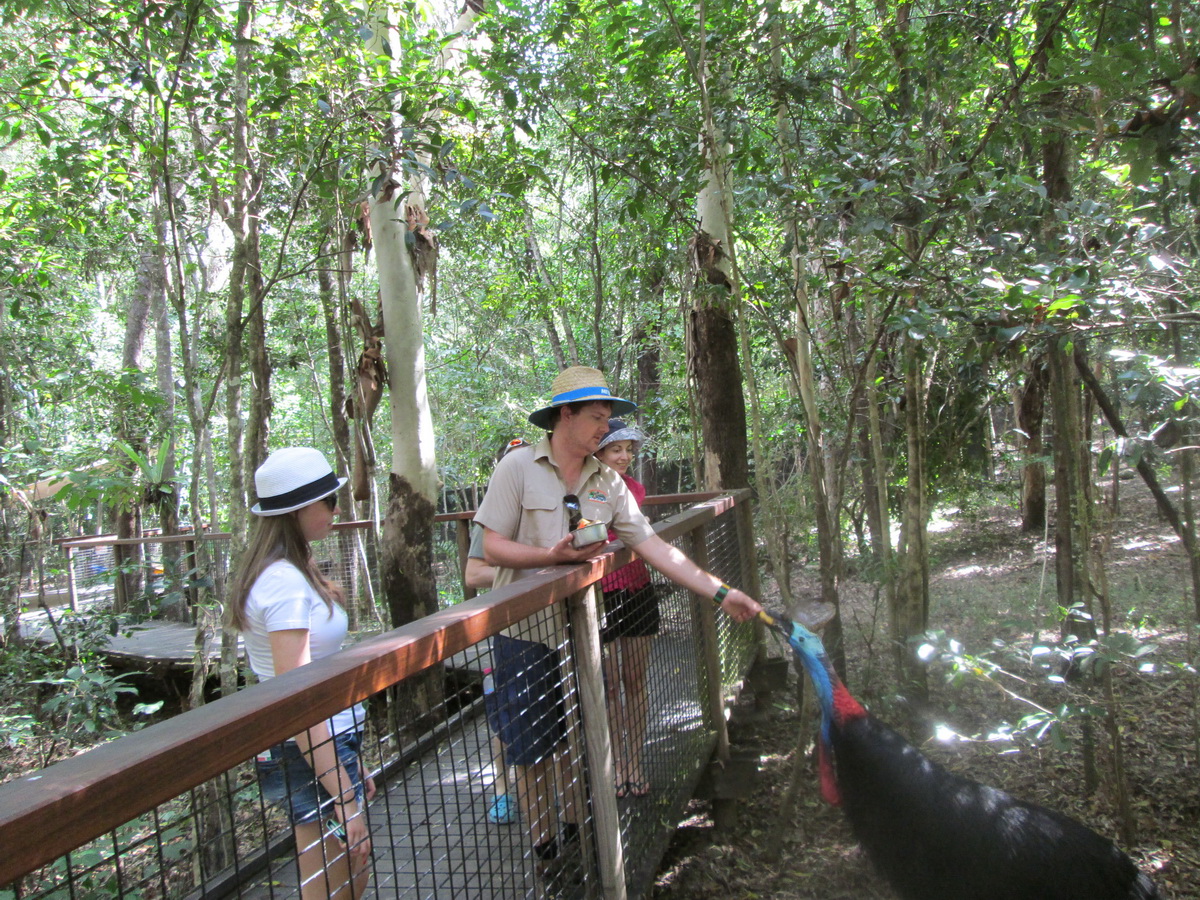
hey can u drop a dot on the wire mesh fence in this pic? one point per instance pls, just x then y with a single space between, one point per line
510 752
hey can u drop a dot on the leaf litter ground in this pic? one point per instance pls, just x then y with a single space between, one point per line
989 584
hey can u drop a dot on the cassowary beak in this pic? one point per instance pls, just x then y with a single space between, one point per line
782 624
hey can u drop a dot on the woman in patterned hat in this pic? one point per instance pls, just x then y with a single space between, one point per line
631 619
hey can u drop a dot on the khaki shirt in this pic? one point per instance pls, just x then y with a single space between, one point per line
524 502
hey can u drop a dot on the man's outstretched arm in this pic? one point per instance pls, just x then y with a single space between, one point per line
675 564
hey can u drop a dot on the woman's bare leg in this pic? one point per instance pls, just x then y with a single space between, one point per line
325 866
635 662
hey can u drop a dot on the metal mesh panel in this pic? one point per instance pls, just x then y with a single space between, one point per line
678 729
507 716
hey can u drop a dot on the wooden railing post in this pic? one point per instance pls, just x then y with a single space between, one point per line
585 650
72 587
462 534
710 675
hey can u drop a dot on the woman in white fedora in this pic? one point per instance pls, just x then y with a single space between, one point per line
290 614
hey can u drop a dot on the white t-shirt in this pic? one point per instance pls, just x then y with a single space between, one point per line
282 599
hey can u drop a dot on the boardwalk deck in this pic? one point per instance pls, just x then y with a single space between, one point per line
429 824
148 646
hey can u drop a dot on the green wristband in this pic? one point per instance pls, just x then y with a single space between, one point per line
722 593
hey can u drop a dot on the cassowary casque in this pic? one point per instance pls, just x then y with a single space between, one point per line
937 836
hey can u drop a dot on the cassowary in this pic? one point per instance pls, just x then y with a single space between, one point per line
937 836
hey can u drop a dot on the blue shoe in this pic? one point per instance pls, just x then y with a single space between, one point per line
502 811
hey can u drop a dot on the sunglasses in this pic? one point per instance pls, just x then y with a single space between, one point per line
571 502
330 501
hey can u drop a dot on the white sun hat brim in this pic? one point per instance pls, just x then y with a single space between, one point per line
628 433
291 479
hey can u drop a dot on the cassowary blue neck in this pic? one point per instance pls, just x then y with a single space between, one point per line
817 666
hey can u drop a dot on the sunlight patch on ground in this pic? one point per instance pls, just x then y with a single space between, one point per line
941 520
944 734
973 569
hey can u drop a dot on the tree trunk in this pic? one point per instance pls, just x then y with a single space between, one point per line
1072 502
261 404
713 349
1187 473
1031 406
130 560
545 282
720 403
910 613
569 336
337 420
648 386
409 586
596 269
174 604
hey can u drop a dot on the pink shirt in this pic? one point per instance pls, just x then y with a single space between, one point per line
633 576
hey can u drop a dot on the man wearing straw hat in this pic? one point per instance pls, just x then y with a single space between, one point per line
534 497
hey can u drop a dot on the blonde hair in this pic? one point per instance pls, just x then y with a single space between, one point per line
275 538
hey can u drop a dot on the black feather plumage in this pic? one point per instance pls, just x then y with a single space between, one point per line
938 836
935 835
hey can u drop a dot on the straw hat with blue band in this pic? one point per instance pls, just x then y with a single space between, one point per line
579 384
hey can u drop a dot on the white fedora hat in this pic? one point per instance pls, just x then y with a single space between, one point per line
291 478
579 384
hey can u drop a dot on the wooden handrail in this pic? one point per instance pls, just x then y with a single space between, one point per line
50 812
110 540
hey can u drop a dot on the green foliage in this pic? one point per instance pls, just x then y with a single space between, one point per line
85 700
64 694
1003 666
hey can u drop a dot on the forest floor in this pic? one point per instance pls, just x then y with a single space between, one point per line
990 586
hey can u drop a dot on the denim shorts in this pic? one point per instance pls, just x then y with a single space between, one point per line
287 780
526 708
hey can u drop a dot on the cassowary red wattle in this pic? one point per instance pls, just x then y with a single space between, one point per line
937 836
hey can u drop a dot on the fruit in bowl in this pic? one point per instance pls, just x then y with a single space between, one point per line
590 532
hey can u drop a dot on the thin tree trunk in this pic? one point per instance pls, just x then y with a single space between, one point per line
597 270
1185 533
130 579
261 404
337 418
648 386
910 613
1072 532
1031 413
548 290
174 604
569 336
714 365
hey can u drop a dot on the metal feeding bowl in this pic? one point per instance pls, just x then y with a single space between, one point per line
589 534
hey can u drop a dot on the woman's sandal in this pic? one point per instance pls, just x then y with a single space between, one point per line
638 788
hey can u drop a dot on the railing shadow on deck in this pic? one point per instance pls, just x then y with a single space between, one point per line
176 810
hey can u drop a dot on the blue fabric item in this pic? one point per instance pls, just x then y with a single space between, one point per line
287 780
579 394
503 810
527 710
